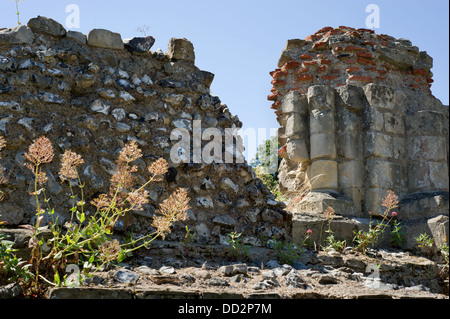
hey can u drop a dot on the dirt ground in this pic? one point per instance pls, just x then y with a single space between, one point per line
317 275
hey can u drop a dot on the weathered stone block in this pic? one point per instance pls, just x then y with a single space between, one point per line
378 144
342 227
321 121
181 49
352 97
356 194
295 125
104 39
323 146
350 145
426 148
439 227
78 36
321 97
373 200
281 134
139 44
47 26
351 174
398 148
427 176
439 176
385 174
424 204
323 174
297 151
348 121
318 202
294 102
435 227
18 35
394 123
374 119
424 123
88 293
380 96
399 58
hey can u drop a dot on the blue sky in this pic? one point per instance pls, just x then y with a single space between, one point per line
240 41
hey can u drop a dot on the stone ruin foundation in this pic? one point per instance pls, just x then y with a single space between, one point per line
92 94
358 119
355 110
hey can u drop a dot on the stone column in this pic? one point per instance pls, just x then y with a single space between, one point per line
352 102
322 172
295 108
426 152
384 145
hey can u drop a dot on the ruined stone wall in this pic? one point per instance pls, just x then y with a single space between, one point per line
94 93
357 119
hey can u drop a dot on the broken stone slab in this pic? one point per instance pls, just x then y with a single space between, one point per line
18 35
47 26
343 228
204 77
397 57
104 39
77 36
164 294
88 293
318 202
436 228
426 204
139 44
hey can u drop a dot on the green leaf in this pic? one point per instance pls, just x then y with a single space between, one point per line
122 256
56 278
81 217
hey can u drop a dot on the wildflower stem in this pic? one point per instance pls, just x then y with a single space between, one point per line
80 184
17 12
36 190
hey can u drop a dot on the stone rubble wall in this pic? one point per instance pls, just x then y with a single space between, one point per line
92 94
358 119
